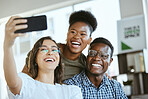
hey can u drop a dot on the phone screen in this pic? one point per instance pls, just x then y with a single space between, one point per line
35 23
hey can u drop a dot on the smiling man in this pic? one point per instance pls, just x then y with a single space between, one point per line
93 82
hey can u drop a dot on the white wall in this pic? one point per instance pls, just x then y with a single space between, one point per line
131 8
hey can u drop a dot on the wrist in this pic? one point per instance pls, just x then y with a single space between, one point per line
7 45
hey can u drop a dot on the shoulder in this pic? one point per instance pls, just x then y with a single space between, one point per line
24 75
71 87
115 85
74 91
74 88
82 59
82 56
112 82
27 80
75 80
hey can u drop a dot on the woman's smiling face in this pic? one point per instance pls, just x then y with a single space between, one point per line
78 37
48 56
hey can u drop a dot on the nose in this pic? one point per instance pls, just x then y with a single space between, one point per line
97 57
77 35
49 52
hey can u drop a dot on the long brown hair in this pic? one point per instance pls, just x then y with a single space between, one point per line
33 67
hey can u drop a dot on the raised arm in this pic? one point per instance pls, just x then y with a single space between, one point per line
13 80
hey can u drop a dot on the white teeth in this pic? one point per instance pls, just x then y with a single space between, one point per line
77 43
97 65
49 60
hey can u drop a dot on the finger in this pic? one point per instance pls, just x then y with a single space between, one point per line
20 27
19 21
15 20
12 19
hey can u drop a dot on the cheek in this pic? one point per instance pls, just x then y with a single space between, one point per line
106 64
88 62
85 40
69 35
38 58
38 61
58 58
68 38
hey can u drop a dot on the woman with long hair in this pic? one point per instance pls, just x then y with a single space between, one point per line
44 67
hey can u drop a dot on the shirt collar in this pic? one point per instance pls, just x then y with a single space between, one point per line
87 82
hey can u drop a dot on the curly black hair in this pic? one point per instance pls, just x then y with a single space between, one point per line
84 16
105 41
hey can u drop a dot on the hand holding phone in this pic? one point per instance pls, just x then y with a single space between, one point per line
35 23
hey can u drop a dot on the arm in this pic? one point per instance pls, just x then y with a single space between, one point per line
14 82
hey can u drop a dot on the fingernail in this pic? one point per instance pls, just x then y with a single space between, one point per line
26 26
25 20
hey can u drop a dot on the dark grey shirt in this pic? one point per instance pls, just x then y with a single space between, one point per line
72 67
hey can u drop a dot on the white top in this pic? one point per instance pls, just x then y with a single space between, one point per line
33 89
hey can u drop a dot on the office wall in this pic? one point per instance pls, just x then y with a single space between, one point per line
131 8
11 7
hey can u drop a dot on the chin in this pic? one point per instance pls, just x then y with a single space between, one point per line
75 51
96 73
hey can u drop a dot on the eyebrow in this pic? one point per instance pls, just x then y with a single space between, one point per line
76 30
73 29
51 46
99 51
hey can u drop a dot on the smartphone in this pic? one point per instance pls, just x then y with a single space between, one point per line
35 23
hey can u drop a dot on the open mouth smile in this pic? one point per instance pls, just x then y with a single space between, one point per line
97 65
75 44
49 60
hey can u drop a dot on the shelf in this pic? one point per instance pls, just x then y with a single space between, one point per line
135 66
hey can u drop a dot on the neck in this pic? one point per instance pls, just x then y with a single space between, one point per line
45 77
68 54
95 79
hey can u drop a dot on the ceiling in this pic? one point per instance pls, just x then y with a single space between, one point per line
12 7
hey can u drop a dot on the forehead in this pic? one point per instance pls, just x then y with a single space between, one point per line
49 43
100 47
79 25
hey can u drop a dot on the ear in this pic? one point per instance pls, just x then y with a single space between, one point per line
89 41
111 59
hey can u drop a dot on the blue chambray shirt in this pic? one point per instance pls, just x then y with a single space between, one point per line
109 89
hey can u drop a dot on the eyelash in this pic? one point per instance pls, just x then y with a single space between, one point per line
43 49
83 34
73 32
80 34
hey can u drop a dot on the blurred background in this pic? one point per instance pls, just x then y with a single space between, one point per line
123 22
